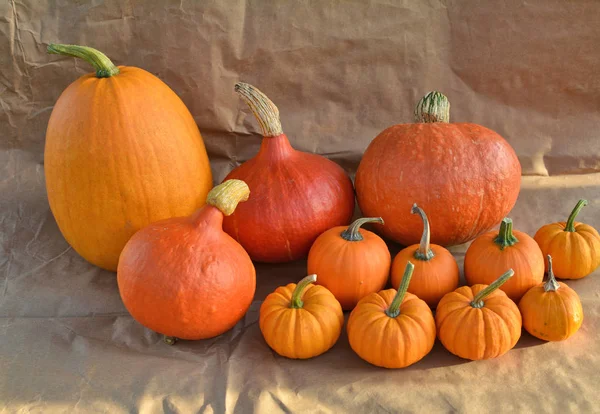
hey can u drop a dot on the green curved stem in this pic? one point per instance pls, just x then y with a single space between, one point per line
424 251
394 309
551 285
505 236
477 301
571 220
433 107
352 233
101 63
297 294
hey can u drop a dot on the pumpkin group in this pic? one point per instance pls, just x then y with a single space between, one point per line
122 151
438 164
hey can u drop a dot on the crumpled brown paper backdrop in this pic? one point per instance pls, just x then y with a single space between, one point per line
340 72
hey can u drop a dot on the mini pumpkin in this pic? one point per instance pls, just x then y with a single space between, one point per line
493 252
301 321
351 262
436 272
574 246
552 310
392 329
479 322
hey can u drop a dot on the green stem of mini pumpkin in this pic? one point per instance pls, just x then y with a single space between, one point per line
571 220
551 284
505 237
297 294
433 107
169 340
352 233
477 301
103 65
394 309
424 252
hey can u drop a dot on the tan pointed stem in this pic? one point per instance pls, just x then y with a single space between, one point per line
263 108
551 285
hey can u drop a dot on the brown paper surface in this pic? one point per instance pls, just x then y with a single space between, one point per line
340 72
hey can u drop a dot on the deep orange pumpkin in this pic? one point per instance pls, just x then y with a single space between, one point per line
438 165
185 277
574 246
479 322
552 310
296 196
351 262
392 329
436 272
301 321
496 251
122 151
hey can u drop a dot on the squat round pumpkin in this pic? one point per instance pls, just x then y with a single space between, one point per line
436 272
574 246
552 310
479 322
392 329
122 151
185 277
351 262
491 253
301 321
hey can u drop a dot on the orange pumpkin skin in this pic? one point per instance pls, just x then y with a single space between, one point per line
305 332
296 195
577 252
350 269
185 277
484 259
121 152
478 333
464 166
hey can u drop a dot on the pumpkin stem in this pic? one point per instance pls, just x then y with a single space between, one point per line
227 195
424 252
551 284
169 340
103 65
394 309
505 236
263 108
297 294
433 107
571 220
477 301
352 233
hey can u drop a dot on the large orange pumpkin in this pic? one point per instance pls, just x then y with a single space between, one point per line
296 196
574 246
185 277
436 272
122 151
465 176
351 262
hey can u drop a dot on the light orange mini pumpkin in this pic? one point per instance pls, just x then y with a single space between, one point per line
493 252
479 322
436 272
392 329
574 246
351 262
552 310
122 151
301 321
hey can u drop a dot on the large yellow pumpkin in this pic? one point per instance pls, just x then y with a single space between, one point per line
122 151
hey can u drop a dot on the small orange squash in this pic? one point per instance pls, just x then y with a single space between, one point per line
392 329
351 262
301 321
122 151
479 322
574 246
552 310
493 252
436 272
185 277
